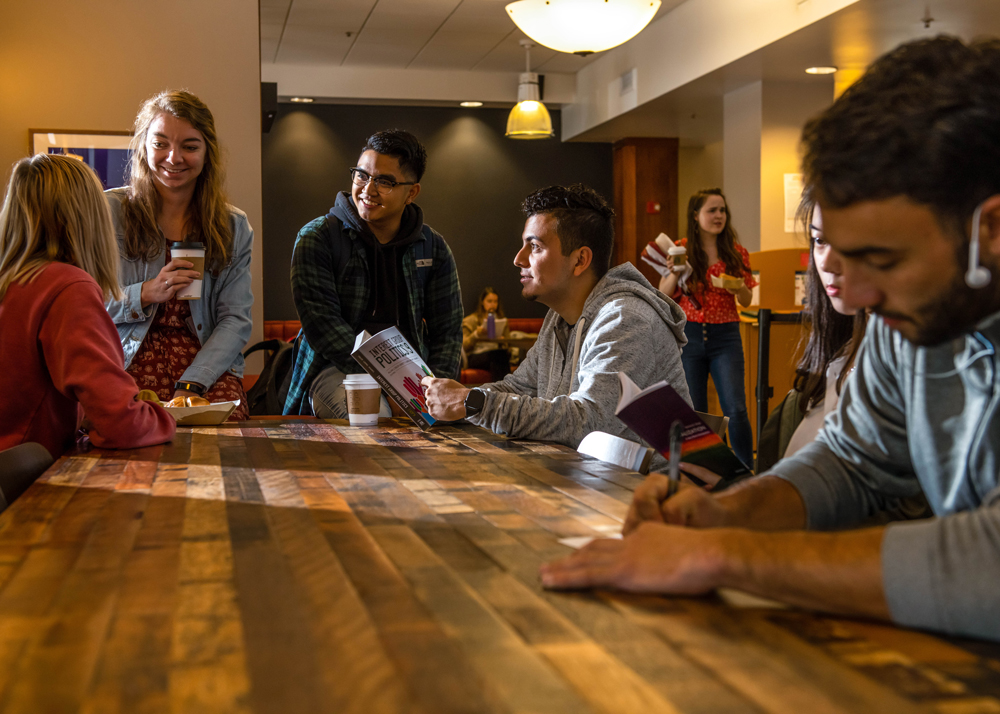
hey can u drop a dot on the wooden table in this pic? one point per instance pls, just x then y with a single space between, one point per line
311 567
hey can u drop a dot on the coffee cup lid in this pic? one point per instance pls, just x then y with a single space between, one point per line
360 379
677 250
185 245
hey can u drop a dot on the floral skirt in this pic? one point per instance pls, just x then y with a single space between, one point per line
168 350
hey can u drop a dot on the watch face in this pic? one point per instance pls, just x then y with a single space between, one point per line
474 402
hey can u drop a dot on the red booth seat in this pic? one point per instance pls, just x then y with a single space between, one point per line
281 329
531 325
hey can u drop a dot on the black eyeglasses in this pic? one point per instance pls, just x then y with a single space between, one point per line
382 184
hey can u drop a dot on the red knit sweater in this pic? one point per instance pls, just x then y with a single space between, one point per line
59 350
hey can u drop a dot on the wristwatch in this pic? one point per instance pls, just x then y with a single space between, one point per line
190 387
475 400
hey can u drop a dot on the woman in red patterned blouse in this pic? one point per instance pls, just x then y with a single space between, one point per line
712 329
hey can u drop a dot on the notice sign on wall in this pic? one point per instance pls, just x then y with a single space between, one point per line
793 195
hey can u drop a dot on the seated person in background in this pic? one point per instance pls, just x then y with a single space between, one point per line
905 168
173 346
483 351
600 322
58 263
369 264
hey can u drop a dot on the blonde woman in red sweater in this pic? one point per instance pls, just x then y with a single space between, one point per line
61 355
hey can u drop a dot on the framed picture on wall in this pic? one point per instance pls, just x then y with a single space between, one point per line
106 152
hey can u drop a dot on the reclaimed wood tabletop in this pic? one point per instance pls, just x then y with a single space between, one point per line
313 567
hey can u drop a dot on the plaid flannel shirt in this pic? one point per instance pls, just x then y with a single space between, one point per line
332 309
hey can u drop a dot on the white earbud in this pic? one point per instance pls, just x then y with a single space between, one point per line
977 276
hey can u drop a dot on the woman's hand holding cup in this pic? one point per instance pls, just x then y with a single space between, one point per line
174 276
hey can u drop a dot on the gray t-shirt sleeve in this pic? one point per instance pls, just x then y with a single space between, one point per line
859 463
944 573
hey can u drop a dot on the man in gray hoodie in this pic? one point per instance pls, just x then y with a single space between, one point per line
906 168
601 321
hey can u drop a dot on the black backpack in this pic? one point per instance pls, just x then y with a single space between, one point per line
267 395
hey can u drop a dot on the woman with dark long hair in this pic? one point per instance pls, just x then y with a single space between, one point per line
835 335
483 351
713 332
175 198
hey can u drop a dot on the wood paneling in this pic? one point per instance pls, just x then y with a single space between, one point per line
645 171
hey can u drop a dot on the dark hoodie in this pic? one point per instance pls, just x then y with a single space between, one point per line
388 301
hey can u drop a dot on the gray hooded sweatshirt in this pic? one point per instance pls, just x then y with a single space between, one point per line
913 418
562 395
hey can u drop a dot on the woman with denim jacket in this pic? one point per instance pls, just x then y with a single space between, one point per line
181 347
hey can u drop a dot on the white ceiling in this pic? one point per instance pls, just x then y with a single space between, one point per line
406 34
851 39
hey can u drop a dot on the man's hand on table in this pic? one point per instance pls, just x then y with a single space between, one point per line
655 557
445 398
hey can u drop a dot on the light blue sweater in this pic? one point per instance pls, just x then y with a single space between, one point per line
913 417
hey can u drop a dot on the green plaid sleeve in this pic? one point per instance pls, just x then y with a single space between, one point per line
323 309
443 313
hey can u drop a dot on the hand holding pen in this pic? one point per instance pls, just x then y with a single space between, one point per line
667 499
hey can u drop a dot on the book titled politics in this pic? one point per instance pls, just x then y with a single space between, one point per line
398 368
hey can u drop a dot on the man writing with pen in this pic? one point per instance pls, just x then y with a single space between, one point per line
906 168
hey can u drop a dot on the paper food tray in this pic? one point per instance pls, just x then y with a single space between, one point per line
203 416
727 283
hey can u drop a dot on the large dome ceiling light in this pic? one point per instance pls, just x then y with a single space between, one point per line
582 27
529 119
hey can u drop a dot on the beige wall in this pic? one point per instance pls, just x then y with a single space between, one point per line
742 125
787 106
68 64
698 167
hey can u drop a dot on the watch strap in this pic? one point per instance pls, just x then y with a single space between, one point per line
190 387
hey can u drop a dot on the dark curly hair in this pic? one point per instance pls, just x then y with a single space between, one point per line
583 217
402 146
923 122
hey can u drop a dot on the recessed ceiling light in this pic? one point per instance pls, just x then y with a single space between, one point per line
471 104
821 70
302 100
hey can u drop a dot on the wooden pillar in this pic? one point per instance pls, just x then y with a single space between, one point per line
645 175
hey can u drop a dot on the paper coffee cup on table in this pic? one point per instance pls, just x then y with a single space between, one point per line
363 394
193 253
679 255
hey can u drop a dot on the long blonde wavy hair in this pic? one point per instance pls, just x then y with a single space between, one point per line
55 211
208 213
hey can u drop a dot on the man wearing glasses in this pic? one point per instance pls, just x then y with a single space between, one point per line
369 264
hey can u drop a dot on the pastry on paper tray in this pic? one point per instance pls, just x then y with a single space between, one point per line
187 402
727 282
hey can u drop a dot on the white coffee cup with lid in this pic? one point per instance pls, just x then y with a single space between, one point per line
363 396
193 253
679 255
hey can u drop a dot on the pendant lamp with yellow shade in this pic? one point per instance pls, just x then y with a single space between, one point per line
529 119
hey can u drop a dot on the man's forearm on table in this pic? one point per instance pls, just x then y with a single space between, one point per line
765 503
833 572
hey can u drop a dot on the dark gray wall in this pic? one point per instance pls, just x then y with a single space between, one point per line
471 193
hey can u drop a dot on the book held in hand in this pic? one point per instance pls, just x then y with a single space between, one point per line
398 368
649 413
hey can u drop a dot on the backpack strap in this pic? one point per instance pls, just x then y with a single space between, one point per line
338 251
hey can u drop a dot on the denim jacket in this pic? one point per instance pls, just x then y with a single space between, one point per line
221 319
